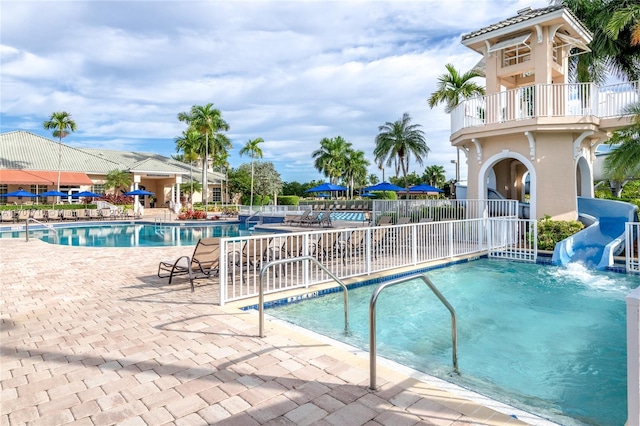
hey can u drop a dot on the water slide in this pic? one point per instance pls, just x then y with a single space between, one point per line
603 238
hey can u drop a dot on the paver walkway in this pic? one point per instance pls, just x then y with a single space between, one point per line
90 336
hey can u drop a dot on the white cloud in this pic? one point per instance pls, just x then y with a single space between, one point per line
289 72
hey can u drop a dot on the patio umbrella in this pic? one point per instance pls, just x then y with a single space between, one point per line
326 187
19 193
138 192
86 194
53 194
423 188
384 186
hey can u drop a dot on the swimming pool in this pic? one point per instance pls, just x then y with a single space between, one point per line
548 340
131 235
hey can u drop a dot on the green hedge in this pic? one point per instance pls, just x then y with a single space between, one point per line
551 232
288 200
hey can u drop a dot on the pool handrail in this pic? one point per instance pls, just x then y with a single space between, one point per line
372 323
300 259
46 225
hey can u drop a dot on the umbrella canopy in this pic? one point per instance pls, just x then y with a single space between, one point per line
53 194
138 192
423 188
19 193
326 187
86 194
383 186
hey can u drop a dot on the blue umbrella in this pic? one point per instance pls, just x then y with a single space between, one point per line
53 194
19 193
86 194
329 187
422 188
138 192
384 186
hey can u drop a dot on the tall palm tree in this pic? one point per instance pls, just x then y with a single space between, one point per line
434 176
117 179
397 140
254 151
208 121
355 169
626 17
61 123
190 143
453 88
330 158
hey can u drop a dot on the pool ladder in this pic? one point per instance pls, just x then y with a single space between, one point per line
293 260
46 225
372 323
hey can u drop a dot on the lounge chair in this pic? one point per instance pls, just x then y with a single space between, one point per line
403 220
53 215
321 219
82 214
38 215
68 215
7 216
290 218
203 263
385 220
327 246
23 215
303 217
94 214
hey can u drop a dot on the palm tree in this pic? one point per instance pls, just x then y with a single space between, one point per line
355 169
208 122
61 123
117 179
614 26
453 88
624 162
373 179
399 139
254 151
434 176
329 159
190 142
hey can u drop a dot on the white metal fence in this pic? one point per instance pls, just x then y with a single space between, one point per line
355 252
632 239
444 209
513 239
545 100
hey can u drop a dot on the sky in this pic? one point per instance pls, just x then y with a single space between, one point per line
290 72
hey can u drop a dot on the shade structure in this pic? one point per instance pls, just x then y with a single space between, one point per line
138 192
384 186
86 194
19 193
53 194
326 187
423 188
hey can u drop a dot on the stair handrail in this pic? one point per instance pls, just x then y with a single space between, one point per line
46 225
372 323
300 259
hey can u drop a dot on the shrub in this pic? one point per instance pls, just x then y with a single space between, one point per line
192 214
550 232
288 200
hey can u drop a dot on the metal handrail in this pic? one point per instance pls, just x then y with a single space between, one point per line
372 324
300 259
46 225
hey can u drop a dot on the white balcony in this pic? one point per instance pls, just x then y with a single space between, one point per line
545 100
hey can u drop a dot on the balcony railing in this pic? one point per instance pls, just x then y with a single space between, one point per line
545 100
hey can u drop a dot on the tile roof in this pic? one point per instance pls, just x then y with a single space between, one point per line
523 16
22 150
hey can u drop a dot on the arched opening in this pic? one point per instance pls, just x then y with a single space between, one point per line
514 177
584 178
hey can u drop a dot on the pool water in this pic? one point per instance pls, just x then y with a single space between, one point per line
128 235
549 340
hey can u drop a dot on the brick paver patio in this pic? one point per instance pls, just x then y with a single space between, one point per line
90 336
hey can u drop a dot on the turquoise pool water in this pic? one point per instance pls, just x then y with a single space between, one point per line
128 235
549 340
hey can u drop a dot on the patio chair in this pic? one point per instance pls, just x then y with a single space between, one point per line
94 214
203 263
82 214
321 219
327 246
53 214
290 218
403 220
38 215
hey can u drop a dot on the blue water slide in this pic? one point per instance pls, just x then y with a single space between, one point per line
596 245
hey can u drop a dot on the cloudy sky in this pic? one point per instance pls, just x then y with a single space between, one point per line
291 73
